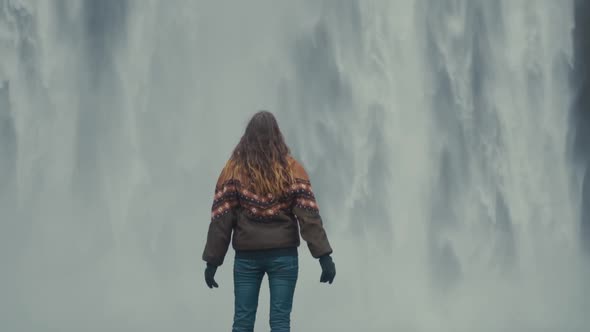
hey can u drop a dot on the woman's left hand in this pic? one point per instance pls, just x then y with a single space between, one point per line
328 269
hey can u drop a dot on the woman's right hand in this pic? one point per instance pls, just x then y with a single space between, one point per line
328 269
210 274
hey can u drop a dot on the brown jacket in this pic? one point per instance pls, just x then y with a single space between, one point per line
264 222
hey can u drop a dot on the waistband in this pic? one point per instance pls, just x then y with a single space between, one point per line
265 253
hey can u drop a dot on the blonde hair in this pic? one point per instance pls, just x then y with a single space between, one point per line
262 156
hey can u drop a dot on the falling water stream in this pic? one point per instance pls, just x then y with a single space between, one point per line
435 133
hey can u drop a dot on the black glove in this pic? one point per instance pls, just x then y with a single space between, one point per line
328 269
209 274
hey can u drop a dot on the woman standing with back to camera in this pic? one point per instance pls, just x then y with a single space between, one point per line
262 194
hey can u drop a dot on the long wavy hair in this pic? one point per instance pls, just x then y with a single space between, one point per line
262 156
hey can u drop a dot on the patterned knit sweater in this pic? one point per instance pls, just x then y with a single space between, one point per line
263 221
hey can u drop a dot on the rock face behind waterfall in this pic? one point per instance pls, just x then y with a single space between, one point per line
8 146
7 140
10 232
581 109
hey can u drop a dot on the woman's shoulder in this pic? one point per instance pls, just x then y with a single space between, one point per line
229 173
297 168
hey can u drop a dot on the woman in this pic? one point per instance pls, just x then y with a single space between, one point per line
262 195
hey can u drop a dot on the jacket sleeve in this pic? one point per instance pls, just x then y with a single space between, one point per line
223 216
307 212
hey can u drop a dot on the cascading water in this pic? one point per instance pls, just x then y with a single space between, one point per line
435 133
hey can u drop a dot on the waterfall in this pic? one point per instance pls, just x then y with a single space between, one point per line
443 138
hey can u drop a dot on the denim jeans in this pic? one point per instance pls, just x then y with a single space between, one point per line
282 274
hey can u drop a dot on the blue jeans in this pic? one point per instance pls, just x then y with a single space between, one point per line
282 276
